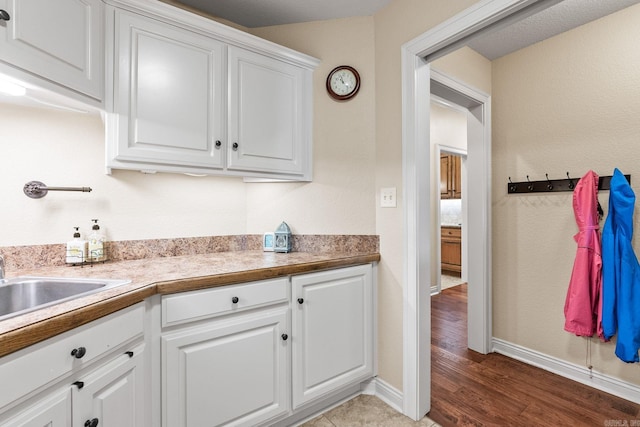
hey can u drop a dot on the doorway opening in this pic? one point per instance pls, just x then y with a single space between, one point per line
448 124
417 180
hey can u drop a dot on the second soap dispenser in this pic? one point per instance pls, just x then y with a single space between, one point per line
96 241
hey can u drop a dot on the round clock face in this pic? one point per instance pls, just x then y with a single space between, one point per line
343 82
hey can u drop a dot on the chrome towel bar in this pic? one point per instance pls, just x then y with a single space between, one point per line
37 189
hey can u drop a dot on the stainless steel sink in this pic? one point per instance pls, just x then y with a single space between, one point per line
23 294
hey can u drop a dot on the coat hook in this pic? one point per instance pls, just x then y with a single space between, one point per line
512 186
530 186
571 184
549 185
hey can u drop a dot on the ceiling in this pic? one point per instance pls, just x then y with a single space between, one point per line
264 13
561 17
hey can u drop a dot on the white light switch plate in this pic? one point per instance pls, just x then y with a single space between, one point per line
388 197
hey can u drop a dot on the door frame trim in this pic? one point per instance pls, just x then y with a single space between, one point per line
416 85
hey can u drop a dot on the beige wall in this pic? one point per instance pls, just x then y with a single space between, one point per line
395 25
566 104
341 198
467 66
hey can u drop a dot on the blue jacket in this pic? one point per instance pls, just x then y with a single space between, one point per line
620 272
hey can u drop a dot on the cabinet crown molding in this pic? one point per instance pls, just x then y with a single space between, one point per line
210 28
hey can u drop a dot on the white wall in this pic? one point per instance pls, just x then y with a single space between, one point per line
67 149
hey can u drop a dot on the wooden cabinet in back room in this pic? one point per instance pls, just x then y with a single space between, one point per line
450 177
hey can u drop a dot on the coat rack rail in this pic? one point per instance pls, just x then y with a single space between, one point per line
554 185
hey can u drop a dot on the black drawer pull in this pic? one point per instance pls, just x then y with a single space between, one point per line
79 352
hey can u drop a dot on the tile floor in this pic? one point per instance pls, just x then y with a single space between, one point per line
448 281
368 411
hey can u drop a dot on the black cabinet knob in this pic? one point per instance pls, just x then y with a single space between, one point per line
129 353
78 352
235 146
78 384
218 144
235 300
91 423
300 300
285 337
4 15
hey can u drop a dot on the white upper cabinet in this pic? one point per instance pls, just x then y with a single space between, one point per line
193 95
168 96
266 114
60 43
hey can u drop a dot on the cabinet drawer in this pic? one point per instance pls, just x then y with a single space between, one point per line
41 363
203 304
451 232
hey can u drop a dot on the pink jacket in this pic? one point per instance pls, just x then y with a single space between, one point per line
583 307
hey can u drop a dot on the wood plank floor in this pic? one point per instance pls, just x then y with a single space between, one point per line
472 389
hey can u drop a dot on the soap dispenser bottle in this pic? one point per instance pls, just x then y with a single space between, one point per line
76 249
96 244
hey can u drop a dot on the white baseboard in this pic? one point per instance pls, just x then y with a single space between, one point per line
572 371
385 392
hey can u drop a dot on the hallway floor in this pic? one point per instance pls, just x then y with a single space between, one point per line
473 389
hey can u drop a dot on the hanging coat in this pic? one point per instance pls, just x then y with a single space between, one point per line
582 303
621 272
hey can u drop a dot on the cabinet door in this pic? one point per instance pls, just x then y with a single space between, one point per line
456 177
227 372
445 168
169 96
332 331
267 124
53 410
451 249
113 394
60 40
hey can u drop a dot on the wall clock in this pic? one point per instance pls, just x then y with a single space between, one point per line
343 82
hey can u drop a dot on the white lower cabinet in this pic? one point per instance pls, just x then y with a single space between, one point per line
112 395
332 331
252 354
228 373
231 358
88 377
53 410
232 368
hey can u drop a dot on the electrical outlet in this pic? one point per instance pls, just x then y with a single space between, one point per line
388 197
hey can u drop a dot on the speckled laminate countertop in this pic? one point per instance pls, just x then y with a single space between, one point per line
157 276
